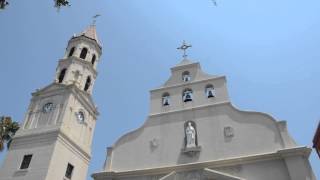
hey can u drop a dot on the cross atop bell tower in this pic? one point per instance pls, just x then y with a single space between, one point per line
184 48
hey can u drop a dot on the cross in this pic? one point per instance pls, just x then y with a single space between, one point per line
95 18
184 47
214 2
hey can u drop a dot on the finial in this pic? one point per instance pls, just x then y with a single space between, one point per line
214 2
95 19
184 47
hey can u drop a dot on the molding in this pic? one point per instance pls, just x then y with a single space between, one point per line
36 133
73 146
44 93
85 38
280 154
228 103
187 84
170 176
191 151
73 59
184 66
191 108
209 173
49 135
62 89
89 104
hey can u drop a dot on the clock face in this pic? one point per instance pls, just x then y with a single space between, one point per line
47 107
80 116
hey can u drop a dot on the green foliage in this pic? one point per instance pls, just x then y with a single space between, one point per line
3 4
8 128
57 3
60 3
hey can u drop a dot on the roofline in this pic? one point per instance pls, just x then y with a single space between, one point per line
279 154
97 42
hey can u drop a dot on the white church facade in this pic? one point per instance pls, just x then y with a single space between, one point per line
193 132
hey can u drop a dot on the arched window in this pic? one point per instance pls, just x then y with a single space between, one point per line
187 95
83 53
93 60
166 99
88 83
186 76
71 52
210 92
61 75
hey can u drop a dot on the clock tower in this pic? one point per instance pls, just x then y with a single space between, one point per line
54 141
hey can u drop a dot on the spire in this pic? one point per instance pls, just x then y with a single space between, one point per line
90 33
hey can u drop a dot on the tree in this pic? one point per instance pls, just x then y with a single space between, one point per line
57 3
8 128
60 3
3 4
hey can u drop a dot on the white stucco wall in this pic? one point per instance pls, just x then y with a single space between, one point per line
64 154
41 149
254 133
257 147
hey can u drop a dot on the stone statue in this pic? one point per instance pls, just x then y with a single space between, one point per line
190 136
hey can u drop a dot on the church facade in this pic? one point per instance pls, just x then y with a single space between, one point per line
193 132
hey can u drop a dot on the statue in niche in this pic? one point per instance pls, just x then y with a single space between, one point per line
191 135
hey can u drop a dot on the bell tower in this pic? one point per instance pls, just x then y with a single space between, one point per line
54 141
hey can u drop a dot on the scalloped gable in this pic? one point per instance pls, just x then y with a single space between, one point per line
186 65
254 133
226 137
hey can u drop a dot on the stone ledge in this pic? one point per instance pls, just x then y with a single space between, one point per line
231 161
191 151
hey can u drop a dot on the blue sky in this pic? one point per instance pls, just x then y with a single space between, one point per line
269 51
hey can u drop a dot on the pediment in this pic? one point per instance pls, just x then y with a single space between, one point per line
50 88
83 97
205 174
187 65
217 175
86 98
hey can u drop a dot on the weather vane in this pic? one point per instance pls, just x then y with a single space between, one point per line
214 2
95 18
184 48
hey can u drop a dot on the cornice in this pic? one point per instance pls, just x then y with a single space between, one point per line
184 66
85 38
280 154
36 134
185 84
71 144
190 108
74 59
47 135
71 88
83 100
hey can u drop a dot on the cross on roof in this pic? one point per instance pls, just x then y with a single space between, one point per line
184 48
95 18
